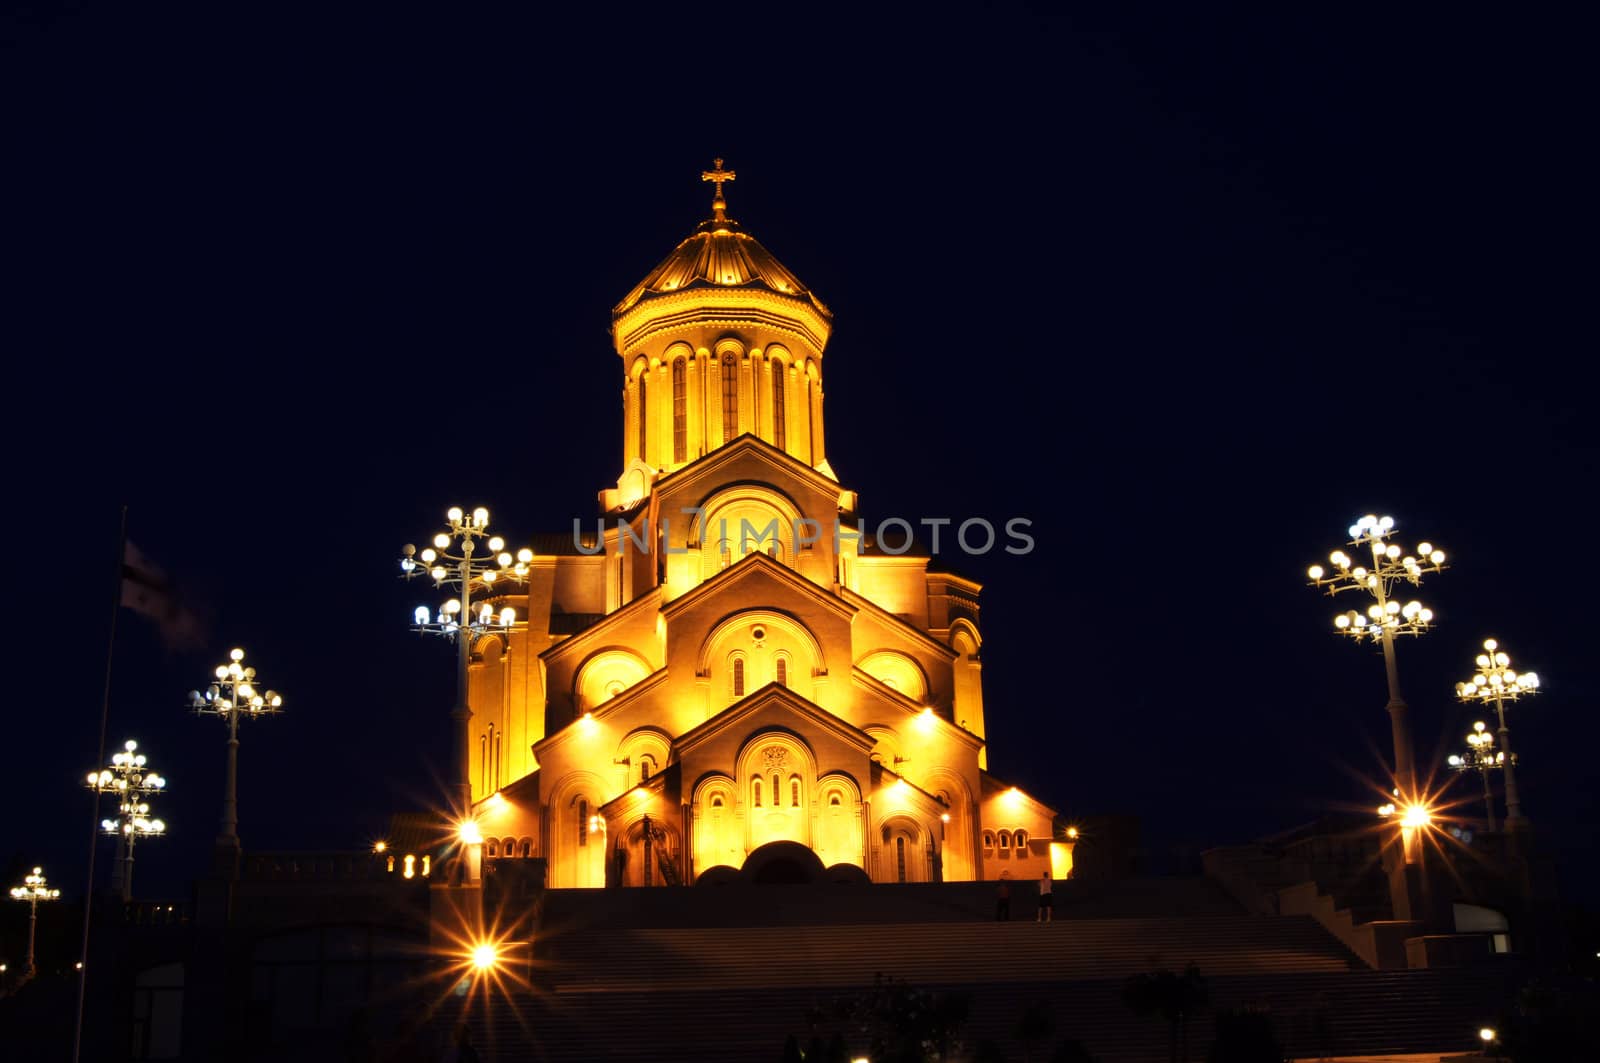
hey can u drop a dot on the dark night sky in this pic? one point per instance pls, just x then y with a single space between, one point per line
1189 294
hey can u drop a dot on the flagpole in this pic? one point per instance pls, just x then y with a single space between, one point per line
99 759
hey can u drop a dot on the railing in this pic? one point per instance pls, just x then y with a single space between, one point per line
326 866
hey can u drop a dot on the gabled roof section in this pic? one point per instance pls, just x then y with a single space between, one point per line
722 456
594 633
888 618
880 769
989 785
811 714
890 694
641 795
755 566
606 708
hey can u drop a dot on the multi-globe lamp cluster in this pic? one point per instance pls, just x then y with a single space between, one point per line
455 561
233 695
34 889
133 783
1496 683
1387 566
1377 568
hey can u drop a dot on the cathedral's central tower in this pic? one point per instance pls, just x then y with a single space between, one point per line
718 341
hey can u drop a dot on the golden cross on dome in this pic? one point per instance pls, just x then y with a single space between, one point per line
717 177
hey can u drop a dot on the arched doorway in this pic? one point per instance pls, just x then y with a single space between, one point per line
650 855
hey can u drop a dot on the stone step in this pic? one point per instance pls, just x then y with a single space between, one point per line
1315 1014
602 959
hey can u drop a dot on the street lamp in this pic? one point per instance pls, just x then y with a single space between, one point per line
454 561
133 783
1413 817
1377 568
1497 683
33 890
231 695
1481 757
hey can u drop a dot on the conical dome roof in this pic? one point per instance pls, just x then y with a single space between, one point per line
719 254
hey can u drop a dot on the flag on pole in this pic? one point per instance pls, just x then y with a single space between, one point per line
148 591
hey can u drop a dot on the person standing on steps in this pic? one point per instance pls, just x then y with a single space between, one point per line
1002 899
1046 899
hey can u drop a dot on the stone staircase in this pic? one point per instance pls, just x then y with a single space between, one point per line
695 1002
727 974
1069 950
1347 896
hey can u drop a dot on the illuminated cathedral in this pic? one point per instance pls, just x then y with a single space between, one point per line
722 678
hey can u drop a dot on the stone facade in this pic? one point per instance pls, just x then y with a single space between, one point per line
724 661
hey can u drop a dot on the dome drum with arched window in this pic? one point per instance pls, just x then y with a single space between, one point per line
720 340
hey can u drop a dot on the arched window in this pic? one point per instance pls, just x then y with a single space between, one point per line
508 847
757 801
900 856
716 800
783 671
738 677
988 841
680 408
778 436
644 415
811 409
647 767
777 791
583 822
730 396
833 799
794 792
527 848
1020 841
1004 838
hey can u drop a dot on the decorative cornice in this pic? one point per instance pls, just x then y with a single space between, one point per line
720 307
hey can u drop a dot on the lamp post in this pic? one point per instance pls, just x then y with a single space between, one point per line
453 561
1481 757
133 783
1376 570
34 889
231 695
1496 682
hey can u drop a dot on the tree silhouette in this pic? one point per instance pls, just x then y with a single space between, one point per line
1171 996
